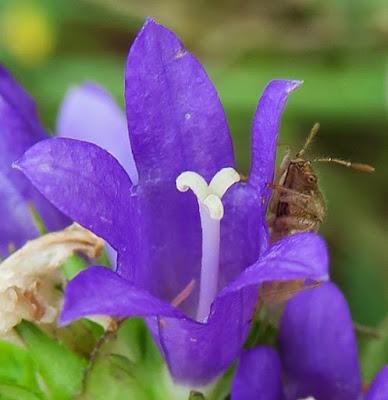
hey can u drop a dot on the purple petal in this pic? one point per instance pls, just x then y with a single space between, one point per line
169 222
100 291
165 242
265 131
16 97
20 129
193 351
318 346
243 231
175 119
89 113
17 225
301 255
84 182
379 387
258 375
196 353
17 132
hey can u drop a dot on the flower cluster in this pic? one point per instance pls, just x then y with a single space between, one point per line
191 237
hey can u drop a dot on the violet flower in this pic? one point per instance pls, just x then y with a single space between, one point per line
189 262
317 359
19 129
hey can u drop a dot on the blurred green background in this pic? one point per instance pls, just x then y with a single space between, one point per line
339 48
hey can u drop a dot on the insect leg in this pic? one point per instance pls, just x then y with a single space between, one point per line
290 223
283 165
288 195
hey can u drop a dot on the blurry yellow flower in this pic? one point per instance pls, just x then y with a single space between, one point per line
26 32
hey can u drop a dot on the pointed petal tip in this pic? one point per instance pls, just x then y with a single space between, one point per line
149 20
148 24
22 162
153 27
63 319
295 84
66 316
288 85
158 56
265 131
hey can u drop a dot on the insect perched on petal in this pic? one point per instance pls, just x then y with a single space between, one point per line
297 205
297 201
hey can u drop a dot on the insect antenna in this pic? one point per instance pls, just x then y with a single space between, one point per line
310 137
348 164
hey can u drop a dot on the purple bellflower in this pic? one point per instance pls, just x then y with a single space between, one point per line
19 129
318 355
188 261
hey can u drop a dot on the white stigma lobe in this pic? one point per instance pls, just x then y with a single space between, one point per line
209 195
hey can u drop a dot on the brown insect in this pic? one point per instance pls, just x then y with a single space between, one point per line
297 204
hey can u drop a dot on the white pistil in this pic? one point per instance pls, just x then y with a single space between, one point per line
211 212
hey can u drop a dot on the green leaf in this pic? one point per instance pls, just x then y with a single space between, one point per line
61 370
137 343
112 378
73 265
16 366
128 365
80 336
10 391
221 387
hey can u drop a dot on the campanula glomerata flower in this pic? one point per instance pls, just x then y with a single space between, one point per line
318 355
191 238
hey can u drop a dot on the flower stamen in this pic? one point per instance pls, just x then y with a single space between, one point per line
183 294
211 212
